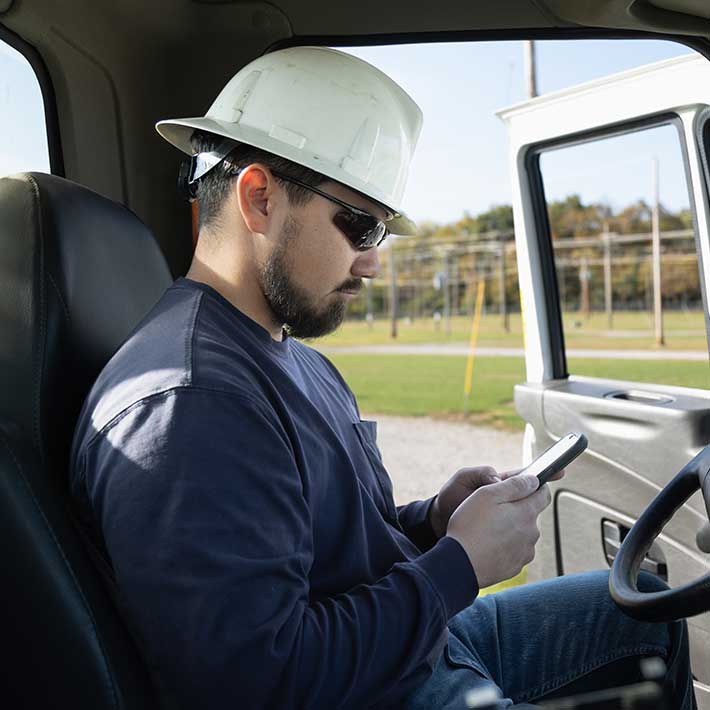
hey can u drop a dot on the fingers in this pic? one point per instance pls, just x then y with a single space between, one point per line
513 488
558 475
477 475
539 500
528 504
515 472
508 474
530 556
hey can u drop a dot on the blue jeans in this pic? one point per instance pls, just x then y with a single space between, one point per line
550 639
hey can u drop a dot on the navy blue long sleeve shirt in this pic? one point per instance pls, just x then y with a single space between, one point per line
250 523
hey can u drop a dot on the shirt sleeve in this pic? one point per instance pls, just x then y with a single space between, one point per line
414 519
206 521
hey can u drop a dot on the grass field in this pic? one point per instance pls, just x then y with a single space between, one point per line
631 330
416 385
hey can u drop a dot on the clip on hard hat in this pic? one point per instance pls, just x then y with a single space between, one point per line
194 168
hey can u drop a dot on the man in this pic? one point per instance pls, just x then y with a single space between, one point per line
239 497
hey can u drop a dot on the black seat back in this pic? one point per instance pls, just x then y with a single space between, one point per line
77 272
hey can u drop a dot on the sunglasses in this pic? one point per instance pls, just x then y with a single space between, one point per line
360 228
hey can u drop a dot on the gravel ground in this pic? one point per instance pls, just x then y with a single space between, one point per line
421 453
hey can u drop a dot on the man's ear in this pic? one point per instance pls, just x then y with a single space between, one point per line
255 195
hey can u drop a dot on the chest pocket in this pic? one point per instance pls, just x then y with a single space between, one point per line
367 434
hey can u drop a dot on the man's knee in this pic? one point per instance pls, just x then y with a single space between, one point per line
648 582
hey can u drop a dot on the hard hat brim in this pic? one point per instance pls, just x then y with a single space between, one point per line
179 131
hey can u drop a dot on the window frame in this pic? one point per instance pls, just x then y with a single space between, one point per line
543 235
701 132
51 116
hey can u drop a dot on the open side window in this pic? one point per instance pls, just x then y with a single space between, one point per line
23 122
620 250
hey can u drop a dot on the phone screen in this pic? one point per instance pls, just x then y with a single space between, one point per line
551 455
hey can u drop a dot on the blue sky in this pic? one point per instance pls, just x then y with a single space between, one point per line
461 161
21 116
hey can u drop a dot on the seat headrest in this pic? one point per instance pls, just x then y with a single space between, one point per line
77 273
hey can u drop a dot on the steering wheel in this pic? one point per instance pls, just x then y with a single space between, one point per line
671 604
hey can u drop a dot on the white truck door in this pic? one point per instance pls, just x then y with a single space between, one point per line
640 432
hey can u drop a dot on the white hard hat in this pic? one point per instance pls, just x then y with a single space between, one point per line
323 109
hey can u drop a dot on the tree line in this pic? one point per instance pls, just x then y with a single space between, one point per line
456 255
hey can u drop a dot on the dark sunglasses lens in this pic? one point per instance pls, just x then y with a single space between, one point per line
362 231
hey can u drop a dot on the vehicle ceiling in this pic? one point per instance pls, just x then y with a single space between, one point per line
112 69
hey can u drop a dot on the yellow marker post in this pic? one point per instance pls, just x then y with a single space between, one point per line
522 319
472 343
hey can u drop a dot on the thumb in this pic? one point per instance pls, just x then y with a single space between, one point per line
514 488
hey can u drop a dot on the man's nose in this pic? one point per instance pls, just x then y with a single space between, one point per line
367 264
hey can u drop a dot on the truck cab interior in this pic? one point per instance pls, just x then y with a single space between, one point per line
87 250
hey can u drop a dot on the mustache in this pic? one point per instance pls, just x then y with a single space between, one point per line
354 285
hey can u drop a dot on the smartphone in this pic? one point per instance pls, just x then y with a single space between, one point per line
561 453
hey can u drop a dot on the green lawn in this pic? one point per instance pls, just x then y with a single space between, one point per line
684 331
415 385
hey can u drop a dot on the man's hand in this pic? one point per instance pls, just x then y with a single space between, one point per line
460 486
497 527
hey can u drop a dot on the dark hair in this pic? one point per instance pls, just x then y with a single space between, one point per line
212 190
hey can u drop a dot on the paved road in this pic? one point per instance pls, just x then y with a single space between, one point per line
459 349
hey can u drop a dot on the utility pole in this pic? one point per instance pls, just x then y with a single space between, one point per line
368 290
447 294
584 277
501 287
606 237
393 290
561 275
530 68
656 254
415 299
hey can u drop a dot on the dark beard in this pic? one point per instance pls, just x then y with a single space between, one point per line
289 303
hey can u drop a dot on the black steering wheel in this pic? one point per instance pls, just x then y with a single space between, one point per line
671 604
